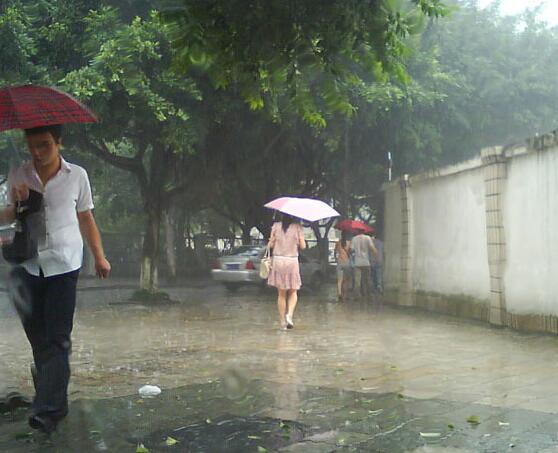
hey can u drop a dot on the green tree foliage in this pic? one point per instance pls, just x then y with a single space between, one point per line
229 104
147 129
305 56
504 89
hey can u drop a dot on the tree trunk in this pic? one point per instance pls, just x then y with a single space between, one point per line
170 241
246 238
346 201
323 246
149 278
180 234
189 235
323 243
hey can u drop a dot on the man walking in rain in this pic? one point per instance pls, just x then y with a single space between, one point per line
47 282
363 248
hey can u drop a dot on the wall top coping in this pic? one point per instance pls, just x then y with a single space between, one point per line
487 156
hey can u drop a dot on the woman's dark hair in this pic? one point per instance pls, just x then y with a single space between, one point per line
286 221
345 236
55 130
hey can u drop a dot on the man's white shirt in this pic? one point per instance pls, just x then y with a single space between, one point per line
60 244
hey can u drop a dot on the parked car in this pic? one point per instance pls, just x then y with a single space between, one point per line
242 267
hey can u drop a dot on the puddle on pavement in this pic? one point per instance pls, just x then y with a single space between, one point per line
269 416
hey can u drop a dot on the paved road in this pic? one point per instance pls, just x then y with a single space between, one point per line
347 377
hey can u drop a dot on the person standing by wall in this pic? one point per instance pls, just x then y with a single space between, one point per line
363 247
378 265
49 279
286 239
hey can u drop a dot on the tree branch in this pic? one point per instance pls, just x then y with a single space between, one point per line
273 141
101 150
227 216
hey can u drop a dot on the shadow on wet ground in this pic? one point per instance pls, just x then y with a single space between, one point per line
265 416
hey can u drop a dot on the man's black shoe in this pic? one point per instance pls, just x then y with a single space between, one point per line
43 423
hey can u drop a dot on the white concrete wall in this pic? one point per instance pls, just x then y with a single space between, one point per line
449 235
513 192
392 237
531 228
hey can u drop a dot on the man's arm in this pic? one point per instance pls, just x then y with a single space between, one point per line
7 215
17 193
373 248
91 234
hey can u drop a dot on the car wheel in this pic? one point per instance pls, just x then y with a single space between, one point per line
232 287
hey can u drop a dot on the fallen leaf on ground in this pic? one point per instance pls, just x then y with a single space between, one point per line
254 437
473 420
23 435
170 441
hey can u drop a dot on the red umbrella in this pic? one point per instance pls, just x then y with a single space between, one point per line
354 226
27 106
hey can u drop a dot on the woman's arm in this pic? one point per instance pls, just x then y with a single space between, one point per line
301 241
271 242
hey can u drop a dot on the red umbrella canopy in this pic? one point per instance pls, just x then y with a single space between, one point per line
28 106
354 226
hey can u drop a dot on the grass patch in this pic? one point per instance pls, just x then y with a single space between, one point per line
143 295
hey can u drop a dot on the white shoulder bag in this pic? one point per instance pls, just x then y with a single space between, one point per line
265 264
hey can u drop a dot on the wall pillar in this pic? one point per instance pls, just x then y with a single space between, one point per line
406 293
495 175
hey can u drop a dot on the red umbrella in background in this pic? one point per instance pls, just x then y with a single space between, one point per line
28 106
354 226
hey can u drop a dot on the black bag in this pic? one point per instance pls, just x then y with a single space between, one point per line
24 245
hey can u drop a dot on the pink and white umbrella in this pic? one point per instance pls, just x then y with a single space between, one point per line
303 208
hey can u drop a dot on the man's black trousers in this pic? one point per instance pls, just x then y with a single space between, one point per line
48 322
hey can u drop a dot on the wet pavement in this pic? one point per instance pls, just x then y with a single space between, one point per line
347 378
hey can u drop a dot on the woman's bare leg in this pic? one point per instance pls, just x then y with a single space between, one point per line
344 285
292 299
282 305
340 284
